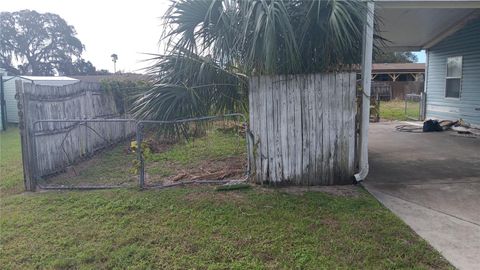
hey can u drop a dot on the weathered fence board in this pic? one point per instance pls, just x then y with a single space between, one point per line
43 153
303 128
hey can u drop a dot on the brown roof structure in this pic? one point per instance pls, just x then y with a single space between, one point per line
398 68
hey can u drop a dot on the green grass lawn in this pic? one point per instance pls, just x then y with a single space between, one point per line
395 110
11 173
198 227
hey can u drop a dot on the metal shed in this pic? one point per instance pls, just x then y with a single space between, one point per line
9 90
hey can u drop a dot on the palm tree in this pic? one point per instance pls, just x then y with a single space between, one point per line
114 59
213 46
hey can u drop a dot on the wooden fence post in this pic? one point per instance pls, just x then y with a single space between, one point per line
26 133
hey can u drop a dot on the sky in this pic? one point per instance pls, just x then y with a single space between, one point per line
127 28
421 56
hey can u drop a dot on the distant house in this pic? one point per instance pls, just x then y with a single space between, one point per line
398 72
453 76
9 91
395 80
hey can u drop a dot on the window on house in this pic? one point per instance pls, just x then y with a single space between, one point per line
454 77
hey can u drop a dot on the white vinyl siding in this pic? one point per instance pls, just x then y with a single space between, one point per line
464 43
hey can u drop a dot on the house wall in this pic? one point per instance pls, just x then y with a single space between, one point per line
466 43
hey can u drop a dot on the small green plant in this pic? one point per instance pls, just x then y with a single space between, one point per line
124 91
230 187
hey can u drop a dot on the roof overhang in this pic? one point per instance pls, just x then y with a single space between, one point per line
410 25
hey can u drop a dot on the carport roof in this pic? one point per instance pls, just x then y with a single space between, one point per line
410 25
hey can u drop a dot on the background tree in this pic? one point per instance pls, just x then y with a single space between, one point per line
103 72
37 42
78 67
114 59
394 57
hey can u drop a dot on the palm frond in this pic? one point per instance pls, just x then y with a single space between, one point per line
189 85
212 43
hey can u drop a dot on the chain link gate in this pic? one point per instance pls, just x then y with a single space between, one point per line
83 154
111 153
158 178
414 106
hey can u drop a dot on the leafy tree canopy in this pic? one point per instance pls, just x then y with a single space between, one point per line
40 43
395 57
78 67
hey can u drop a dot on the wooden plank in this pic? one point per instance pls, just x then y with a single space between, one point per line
331 127
348 118
351 127
258 125
24 137
305 126
326 129
343 159
277 92
263 129
269 129
312 108
319 131
337 123
338 127
295 145
283 129
290 84
298 129
30 116
252 86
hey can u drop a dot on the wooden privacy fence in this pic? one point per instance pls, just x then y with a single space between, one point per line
50 147
303 128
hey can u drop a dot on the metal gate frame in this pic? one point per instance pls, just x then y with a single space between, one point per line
421 101
139 124
84 122
139 129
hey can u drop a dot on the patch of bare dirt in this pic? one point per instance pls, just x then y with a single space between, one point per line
345 190
222 169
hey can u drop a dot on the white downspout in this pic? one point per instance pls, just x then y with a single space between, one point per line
425 87
367 51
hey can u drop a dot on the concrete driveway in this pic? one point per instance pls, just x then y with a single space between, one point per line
432 182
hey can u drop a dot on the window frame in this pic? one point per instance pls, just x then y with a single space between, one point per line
460 78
